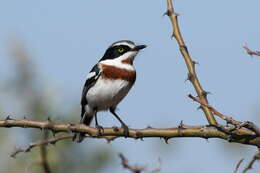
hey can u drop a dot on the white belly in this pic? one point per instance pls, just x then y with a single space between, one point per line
107 93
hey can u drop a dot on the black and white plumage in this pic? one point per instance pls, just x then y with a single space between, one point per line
108 83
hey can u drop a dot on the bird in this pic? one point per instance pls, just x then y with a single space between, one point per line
108 82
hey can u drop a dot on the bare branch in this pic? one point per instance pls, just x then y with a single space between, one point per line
40 143
137 169
125 164
43 150
237 166
243 136
251 52
250 165
192 76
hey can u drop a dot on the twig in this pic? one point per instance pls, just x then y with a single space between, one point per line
192 76
125 164
245 136
249 125
212 109
250 165
137 169
40 143
251 52
237 166
43 150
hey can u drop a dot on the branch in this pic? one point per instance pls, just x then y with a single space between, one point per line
250 165
249 125
40 143
241 135
44 161
251 52
125 164
237 166
192 76
137 169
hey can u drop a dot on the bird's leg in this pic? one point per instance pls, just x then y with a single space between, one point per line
79 137
123 125
100 128
82 118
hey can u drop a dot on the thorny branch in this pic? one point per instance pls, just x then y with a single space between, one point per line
249 135
237 124
251 52
202 95
241 135
40 143
192 76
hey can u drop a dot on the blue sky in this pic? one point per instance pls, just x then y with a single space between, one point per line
67 38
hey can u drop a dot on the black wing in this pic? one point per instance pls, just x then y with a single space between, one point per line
91 80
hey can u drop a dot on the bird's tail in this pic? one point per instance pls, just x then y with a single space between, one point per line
86 119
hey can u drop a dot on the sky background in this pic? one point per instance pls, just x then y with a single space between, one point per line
65 39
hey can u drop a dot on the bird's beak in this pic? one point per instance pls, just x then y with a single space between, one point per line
139 47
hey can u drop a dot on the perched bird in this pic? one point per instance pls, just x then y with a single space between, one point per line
108 83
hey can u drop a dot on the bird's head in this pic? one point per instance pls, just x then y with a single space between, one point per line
124 51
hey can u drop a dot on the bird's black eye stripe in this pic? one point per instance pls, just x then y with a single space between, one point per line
122 49
115 51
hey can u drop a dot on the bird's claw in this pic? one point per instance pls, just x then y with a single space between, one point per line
100 130
126 130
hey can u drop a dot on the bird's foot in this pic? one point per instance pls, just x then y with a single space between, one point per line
126 130
100 130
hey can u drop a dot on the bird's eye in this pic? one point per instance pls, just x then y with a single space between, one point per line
121 50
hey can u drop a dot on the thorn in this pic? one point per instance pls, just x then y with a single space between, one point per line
166 139
149 127
166 13
180 126
205 93
173 35
49 119
9 118
200 107
195 63
189 77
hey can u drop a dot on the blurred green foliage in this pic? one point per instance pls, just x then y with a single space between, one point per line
27 94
